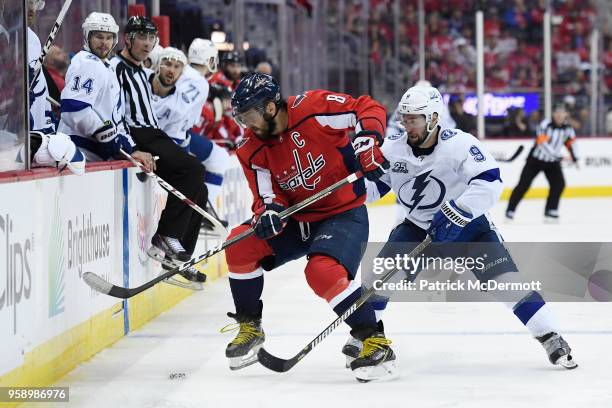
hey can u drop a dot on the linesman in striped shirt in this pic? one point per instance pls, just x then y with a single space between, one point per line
546 156
179 225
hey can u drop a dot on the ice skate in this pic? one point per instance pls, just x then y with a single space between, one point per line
376 361
559 352
208 229
351 350
242 351
167 246
193 279
551 217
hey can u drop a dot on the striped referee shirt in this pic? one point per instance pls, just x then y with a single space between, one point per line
139 112
550 140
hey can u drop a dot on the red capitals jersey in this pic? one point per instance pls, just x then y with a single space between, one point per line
220 78
313 153
225 129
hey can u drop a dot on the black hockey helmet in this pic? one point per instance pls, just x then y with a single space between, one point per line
232 57
140 24
253 91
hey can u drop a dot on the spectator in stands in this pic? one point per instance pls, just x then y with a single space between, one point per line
464 121
264 67
57 62
516 125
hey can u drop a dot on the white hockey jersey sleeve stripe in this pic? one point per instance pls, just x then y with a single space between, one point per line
264 184
343 120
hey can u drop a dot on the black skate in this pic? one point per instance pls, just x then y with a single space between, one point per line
351 350
242 351
167 246
551 217
193 279
376 361
353 346
559 352
208 229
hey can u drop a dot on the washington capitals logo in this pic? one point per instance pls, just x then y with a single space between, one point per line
418 187
302 175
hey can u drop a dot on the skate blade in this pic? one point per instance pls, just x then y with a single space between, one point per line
156 253
386 371
349 360
237 363
567 362
196 286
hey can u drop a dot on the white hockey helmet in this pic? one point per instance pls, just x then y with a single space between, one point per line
154 56
171 53
204 52
422 82
36 5
99 22
422 100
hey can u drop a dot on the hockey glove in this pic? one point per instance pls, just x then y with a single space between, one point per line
106 133
367 150
267 222
448 222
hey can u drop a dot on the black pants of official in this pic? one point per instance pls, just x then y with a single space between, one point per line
554 175
183 172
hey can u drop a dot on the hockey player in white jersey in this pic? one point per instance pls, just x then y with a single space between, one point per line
175 103
91 104
47 148
447 182
40 108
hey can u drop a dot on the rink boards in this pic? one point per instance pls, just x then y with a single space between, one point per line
52 230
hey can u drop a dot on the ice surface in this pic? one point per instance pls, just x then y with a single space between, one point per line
450 355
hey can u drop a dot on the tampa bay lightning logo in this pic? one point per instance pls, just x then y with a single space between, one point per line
447 134
418 188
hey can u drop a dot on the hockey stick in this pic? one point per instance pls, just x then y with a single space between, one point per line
281 365
99 284
45 49
514 156
219 229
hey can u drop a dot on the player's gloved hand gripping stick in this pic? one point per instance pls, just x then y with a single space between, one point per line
99 284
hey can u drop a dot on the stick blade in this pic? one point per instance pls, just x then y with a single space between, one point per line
99 284
274 363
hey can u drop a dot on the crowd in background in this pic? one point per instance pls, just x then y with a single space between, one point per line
513 38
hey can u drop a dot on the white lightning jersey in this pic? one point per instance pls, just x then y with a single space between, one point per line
92 95
40 108
457 168
195 86
173 113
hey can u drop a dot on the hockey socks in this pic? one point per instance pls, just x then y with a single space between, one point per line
535 314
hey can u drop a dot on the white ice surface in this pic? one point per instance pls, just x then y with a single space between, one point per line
450 355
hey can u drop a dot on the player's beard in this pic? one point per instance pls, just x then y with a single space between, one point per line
162 80
420 140
268 134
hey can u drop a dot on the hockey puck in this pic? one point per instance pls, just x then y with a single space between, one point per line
177 376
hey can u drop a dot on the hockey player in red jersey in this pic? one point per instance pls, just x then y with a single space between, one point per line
216 122
291 150
231 69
